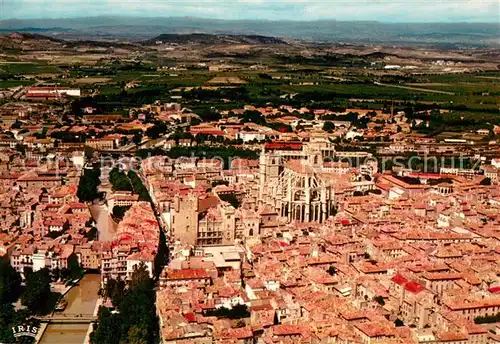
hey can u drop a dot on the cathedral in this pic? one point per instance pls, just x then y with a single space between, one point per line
293 181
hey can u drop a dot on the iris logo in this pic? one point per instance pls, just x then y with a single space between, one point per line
25 331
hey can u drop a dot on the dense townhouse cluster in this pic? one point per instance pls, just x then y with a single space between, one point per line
46 223
136 242
48 226
394 260
305 244
379 271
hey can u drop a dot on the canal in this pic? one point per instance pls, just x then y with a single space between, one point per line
82 299
104 223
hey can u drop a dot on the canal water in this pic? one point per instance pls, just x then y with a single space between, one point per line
81 300
104 223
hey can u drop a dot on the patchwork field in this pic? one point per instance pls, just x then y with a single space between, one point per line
226 80
92 80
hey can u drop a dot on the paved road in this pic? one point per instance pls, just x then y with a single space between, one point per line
415 88
24 89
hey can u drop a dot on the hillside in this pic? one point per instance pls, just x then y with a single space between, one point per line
213 39
24 41
27 41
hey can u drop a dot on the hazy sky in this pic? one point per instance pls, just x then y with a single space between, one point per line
380 10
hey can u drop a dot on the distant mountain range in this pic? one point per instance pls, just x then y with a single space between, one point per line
140 29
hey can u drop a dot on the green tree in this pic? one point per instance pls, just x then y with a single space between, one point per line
55 274
240 323
436 115
195 121
6 315
138 335
16 125
123 141
139 187
253 116
92 234
20 148
120 180
237 312
332 271
115 290
136 321
119 211
328 126
37 290
487 319
75 271
379 300
10 283
137 138
138 309
108 328
220 182
8 319
88 152
140 280
157 130
485 181
231 199
89 181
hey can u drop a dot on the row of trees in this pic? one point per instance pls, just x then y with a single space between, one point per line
159 128
487 319
89 181
37 291
35 295
135 321
10 283
231 199
226 153
128 182
120 181
139 187
237 312
119 211
10 286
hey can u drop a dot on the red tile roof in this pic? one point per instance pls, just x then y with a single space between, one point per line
286 330
494 290
187 274
283 145
399 279
414 287
190 317
205 203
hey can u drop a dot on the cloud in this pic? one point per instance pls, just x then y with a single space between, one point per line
375 10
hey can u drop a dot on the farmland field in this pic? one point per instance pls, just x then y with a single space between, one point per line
92 80
14 83
26 68
226 80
